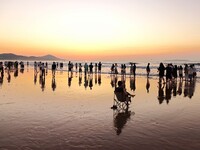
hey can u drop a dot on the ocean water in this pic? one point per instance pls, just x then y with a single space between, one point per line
140 66
73 111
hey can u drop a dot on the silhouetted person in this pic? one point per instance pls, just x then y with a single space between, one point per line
148 69
147 85
53 68
16 64
86 68
91 68
180 71
190 72
61 65
186 71
134 69
123 69
80 68
35 66
21 65
174 72
161 70
1 69
99 67
1 73
121 89
168 72
76 66
116 71
112 68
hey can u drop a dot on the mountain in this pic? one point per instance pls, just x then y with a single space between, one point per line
10 56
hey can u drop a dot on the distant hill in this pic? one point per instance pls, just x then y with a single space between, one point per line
10 56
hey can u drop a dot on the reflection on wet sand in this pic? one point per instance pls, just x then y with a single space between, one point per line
171 89
166 90
53 83
120 119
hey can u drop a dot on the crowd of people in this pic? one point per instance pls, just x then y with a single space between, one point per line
166 72
174 71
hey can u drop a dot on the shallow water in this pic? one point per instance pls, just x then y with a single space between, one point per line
73 112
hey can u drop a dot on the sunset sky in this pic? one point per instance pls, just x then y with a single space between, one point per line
101 29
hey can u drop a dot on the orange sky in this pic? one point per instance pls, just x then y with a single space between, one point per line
106 29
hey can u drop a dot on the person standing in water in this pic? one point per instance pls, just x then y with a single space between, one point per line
148 69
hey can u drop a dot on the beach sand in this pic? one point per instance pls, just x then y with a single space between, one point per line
69 113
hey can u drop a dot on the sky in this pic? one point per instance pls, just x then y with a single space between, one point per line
101 29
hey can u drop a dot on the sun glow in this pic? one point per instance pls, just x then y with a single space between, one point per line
110 28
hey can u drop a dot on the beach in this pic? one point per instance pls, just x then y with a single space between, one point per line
74 112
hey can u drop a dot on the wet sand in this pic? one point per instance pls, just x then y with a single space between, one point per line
69 113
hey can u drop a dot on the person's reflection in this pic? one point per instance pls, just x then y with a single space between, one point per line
53 83
99 78
22 70
123 78
70 76
132 83
186 88
91 81
16 73
9 76
80 79
1 80
168 91
95 78
147 85
112 82
120 120
85 81
42 82
191 88
161 96
180 87
35 77
174 85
